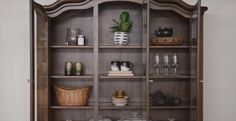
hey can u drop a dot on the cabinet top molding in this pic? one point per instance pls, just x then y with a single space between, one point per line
178 6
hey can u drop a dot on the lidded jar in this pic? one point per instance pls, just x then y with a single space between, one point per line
81 40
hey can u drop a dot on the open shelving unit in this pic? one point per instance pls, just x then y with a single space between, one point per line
94 17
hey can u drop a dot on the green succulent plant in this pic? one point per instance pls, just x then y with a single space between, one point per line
124 25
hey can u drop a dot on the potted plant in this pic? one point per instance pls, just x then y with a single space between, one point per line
122 28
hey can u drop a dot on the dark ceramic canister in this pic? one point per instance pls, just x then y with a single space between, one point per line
164 32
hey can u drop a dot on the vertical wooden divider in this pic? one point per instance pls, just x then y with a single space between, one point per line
199 64
144 51
147 60
95 58
190 67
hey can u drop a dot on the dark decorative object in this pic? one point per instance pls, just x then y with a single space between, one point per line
174 101
164 32
160 99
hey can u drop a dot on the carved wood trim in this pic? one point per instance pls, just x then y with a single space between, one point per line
60 6
179 4
59 3
176 5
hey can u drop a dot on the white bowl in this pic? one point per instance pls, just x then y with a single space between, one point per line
120 104
120 99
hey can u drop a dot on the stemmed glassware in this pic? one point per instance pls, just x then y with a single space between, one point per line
157 64
175 64
166 64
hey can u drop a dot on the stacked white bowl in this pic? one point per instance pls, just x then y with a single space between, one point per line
120 101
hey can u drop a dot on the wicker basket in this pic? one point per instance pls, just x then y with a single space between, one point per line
72 97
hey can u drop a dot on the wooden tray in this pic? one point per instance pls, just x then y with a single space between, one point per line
167 41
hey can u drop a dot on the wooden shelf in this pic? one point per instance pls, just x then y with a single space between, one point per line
70 47
124 108
118 47
118 77
139 107
169 47
122 47
122 77
143 47
169 77
72 107
143 77
169 107
120 108
71 77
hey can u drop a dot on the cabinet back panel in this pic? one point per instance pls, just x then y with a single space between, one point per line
82 19
179 24
59 57
71 84
115 115
134 56
134 89
182 56
75 115
163 115
173 88
109 11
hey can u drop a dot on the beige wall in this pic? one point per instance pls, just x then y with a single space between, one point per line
219 60
14 60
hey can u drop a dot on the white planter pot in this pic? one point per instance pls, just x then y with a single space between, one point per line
120 38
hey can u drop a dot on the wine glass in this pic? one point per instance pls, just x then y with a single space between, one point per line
166 64
157 64
175 64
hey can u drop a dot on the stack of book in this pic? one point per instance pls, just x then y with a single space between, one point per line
120 73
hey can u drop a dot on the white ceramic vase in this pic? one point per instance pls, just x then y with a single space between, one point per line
120 38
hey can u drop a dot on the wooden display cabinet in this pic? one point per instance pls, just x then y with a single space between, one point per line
94 17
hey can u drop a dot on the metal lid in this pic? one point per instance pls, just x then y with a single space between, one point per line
81 36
